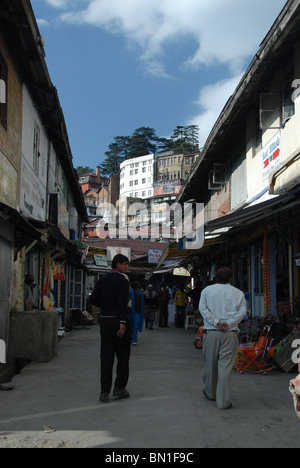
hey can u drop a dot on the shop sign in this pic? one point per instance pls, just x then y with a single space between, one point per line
113 251
32 193
154 256
100 256
96 251
181 272
100 260
272 155
8 181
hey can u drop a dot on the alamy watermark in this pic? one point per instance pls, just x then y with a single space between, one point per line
296 354
296 93
2 92
2 352
160 221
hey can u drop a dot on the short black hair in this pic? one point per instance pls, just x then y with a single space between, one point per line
224 275
119 259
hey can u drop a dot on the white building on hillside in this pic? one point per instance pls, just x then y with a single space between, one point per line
137 177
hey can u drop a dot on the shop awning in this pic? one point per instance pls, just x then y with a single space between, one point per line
173 256
25 233
247 216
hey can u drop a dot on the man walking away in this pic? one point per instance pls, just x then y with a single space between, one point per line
111 294
222 307
150 307
163 305
136 313
181 300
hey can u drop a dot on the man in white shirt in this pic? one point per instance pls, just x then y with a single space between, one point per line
222 307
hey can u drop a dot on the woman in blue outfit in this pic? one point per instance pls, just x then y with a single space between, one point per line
136 315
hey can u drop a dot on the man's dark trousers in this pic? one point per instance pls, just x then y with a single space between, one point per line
111 346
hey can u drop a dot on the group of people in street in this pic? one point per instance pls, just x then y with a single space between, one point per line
151 307
124 309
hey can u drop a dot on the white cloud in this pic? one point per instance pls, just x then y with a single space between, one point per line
57 3
42 22
225 31
217 32
67 4
211 102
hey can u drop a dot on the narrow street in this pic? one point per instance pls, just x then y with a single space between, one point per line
166 408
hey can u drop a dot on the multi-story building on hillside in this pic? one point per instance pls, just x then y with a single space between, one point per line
137 177
92 180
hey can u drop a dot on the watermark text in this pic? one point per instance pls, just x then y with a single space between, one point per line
2 352
2 92
139 221
296 93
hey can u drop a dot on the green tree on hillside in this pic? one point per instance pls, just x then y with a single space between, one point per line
84 170
145 141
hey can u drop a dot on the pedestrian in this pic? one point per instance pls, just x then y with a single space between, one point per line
222 307
136 311
31 294
111 294
163 302
150 297
180 301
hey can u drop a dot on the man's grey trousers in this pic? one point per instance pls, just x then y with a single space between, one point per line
219 351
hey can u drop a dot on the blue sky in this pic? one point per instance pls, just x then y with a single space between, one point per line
123 64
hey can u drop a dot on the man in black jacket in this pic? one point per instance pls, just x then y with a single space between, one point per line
111 294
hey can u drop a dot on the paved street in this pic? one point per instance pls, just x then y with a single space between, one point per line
166 408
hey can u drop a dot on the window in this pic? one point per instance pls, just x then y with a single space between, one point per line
143 194
143 181
136 182
270 110
3 92
136 171
144 169
131 183
131 172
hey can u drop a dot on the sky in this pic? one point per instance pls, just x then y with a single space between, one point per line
119 65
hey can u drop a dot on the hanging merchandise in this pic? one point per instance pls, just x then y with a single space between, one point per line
59 272
56 271
267 275
62 276
48 285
